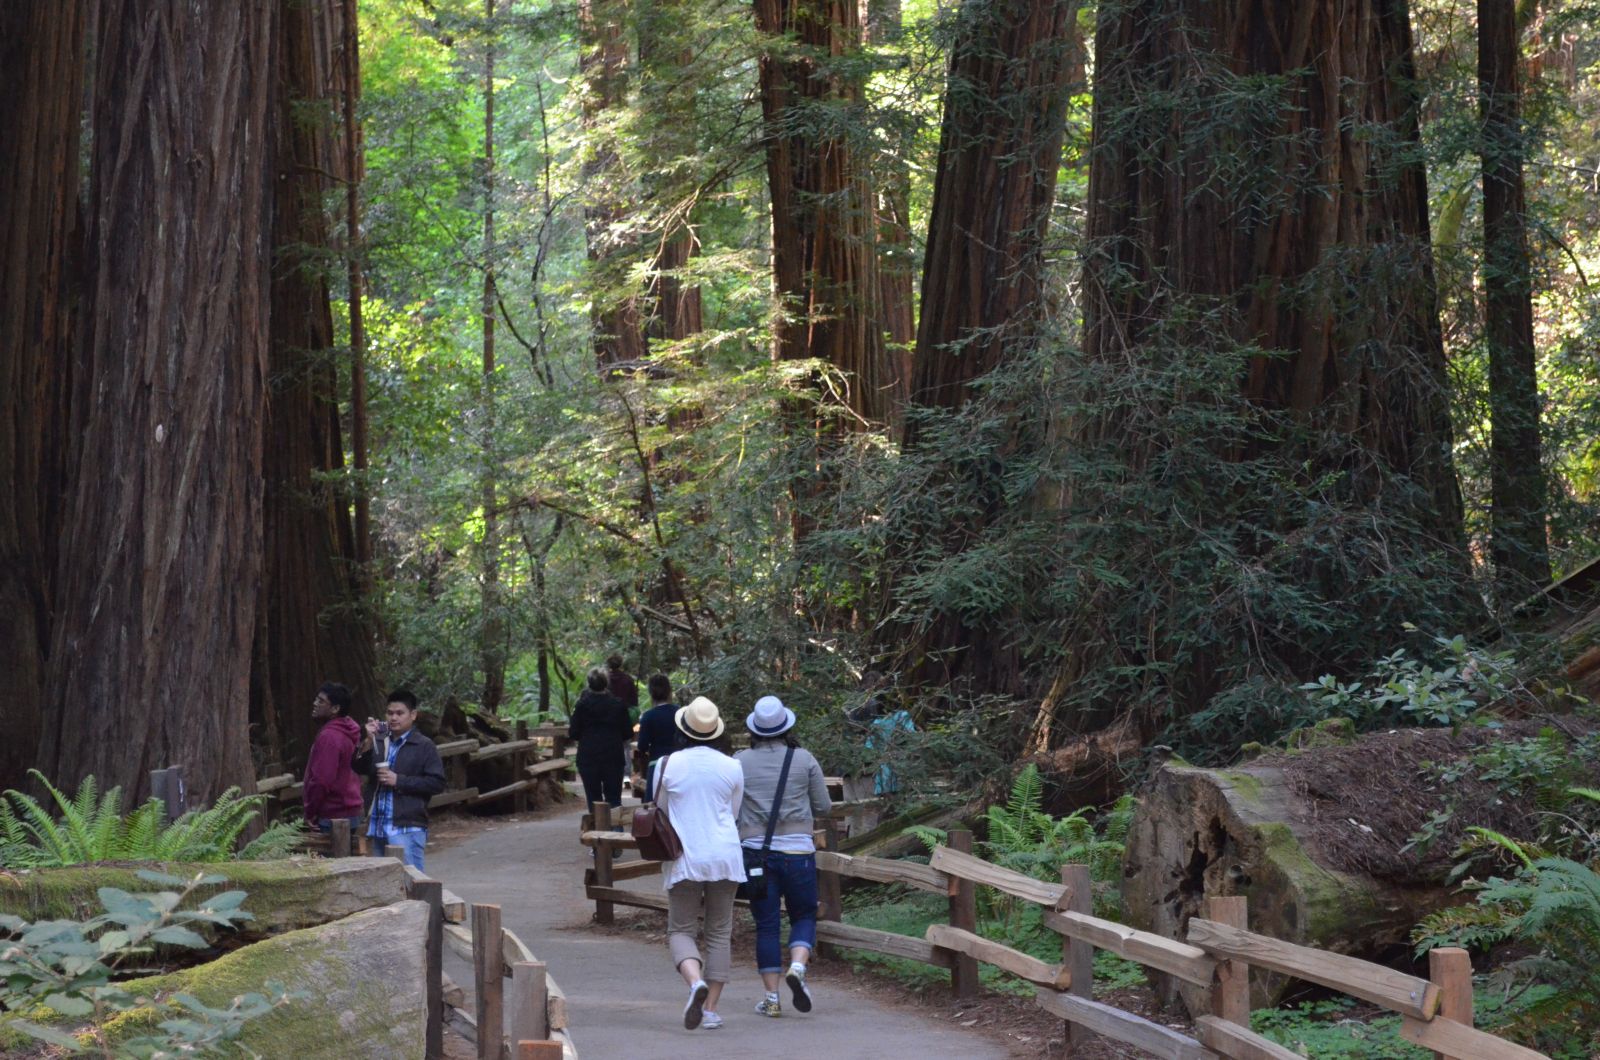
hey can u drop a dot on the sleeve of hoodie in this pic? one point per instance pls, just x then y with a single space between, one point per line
322 765
430 781
817 788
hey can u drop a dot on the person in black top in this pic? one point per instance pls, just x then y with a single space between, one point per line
601 726
658 731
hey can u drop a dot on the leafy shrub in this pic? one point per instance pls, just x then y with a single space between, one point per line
1403 690
92 827
70 968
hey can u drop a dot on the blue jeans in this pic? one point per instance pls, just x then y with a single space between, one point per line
791 879
407 847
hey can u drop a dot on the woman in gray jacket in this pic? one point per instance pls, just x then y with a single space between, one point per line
790 862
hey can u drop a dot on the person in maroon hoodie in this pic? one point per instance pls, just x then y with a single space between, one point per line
332 788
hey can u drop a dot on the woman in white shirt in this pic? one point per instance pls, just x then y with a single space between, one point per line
701 788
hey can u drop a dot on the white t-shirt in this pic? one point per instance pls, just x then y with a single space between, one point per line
701 790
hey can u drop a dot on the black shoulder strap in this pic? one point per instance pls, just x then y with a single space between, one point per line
777 800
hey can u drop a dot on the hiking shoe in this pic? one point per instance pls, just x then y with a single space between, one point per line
797 987
694 1011
711 1021
769 1006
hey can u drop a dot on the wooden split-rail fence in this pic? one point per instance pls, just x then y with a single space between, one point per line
536 754
1217 954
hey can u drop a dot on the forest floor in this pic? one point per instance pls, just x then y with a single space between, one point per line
625 1000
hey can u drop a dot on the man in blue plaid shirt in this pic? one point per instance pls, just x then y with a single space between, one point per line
408 772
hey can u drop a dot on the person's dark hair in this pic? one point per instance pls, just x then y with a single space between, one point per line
338 695
788 739
597 680
615 662
660 689
403 695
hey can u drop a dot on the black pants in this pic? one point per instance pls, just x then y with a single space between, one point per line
602 781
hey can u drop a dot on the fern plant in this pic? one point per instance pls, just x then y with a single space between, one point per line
92 827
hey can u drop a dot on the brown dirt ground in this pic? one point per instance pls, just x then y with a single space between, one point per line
1385 781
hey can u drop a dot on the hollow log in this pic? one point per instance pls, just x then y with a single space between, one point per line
1251 831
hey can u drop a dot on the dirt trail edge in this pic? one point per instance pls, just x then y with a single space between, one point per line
624 1000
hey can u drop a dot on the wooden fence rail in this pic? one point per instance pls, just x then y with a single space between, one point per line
1217 953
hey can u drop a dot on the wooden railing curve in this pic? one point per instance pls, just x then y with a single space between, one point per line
1217 954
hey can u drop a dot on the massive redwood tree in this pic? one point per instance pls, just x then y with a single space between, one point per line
41 71
161 549
310 625
824 238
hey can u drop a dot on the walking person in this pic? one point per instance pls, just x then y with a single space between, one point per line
700 790
408 772
601 726
779 773
658 731
332 787
620 683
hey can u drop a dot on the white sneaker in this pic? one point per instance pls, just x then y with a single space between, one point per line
694 1011
797 987
711 1021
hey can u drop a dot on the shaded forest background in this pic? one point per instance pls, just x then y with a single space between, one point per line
1091 375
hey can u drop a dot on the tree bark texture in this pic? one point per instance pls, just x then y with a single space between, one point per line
161 555
492 629
603 66
310 625
882 24
1296 223
1516 472
999 151
824 239
355 170
41 79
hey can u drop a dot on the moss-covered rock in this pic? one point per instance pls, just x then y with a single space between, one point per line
284 895
364 980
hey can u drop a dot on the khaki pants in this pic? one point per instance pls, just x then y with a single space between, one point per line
687 902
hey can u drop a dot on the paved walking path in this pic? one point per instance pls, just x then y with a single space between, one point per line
625 1002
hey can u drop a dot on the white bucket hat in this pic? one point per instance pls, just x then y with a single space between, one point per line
770 718
700 720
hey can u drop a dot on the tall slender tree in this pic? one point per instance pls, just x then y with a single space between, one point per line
491 634
161 559
824 239
355 276
312 622
41 78
1517 486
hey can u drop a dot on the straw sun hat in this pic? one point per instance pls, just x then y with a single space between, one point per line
699 720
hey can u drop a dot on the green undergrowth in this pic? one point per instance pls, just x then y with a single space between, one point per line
1337 1028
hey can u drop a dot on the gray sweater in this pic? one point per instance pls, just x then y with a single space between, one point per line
805 795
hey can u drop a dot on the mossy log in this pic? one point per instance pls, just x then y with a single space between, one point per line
283 895
1201 833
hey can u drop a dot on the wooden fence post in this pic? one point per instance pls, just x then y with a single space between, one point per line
530 1014
603 910
488 974
432 892
1230 993
519 762
339 838
964 915
1077 954
1451 968
175 795
830 892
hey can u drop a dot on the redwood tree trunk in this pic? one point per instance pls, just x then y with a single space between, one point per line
491 629
161 557
896 255
999 152
311 625
618 330
824 243
1517 487
41 79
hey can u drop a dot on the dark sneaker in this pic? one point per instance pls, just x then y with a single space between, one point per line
797 987
694 1011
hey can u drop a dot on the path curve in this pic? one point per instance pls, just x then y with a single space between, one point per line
623 998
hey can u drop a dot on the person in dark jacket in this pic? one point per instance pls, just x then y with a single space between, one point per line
408 772
601 727
658 730
620 683
332 788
